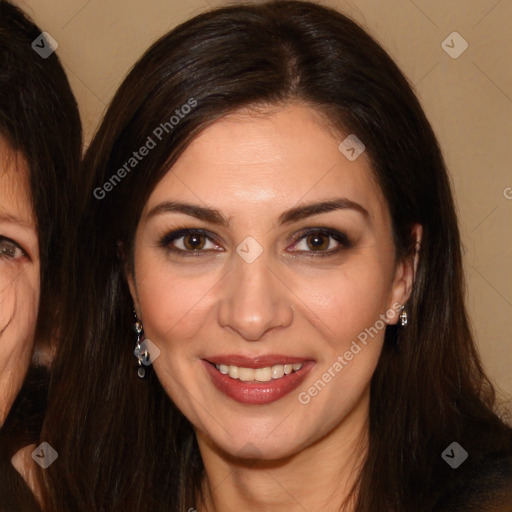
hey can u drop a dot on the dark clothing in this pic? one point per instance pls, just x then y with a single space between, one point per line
15 495
21 428
481 485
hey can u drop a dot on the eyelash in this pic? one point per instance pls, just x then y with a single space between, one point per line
12 246
340 237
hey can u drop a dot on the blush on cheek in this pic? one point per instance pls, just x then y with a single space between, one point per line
172 307
19 304
8 299
18 316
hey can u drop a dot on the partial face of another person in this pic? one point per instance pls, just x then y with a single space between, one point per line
214 282
19 276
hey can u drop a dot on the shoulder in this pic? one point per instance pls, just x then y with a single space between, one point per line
480 484
26 467
15 489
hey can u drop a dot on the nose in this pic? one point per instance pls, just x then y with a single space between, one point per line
254 300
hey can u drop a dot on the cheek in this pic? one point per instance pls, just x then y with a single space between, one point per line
19 301
346 301
11 277
350 308
348 353
173 306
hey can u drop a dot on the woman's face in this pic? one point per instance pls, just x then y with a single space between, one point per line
254 376
19 276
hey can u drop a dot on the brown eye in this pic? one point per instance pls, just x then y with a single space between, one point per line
317 242
9 249
322 242
189 242
194 241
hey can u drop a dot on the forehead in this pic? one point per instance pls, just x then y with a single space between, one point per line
271 159
15 198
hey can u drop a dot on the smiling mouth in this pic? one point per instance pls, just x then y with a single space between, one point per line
264 374
262 384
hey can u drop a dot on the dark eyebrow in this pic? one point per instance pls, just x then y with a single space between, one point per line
213 216
301 212
210 215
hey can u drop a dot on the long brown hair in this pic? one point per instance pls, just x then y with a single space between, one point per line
122 443
39 120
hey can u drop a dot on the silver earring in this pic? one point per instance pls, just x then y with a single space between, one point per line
140 353
403 317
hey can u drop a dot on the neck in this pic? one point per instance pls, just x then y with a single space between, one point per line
318 478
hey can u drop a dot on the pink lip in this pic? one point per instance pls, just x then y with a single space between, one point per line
255 362
258 393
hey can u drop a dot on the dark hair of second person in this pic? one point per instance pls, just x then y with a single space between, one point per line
41 131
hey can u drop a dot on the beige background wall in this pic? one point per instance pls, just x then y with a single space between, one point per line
468 100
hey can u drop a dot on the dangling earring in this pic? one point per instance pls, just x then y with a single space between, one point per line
403 317
140 353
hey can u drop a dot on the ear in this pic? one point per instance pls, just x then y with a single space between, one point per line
405 274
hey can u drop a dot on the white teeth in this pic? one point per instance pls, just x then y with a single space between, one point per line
265 374
246 374
277 371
